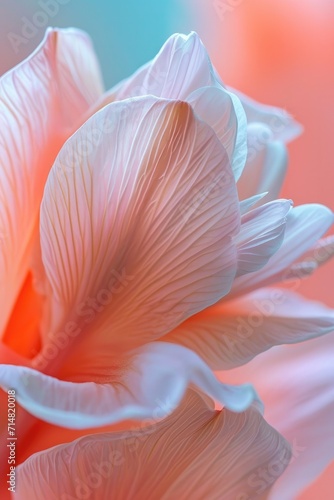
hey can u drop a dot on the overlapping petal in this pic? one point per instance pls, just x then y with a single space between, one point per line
42 101
224 113
298 395
231 334
151 374
248 203
183 70
305 225
266 163
181 67
195 453
137 230
269 129
261 234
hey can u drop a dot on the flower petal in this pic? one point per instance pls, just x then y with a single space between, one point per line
261 234
318 255
224 113
248 203
297 385
42 100
200 454
266 164
230 334
181 67
81 84
304 226
183 70
137 233
282 125
149 374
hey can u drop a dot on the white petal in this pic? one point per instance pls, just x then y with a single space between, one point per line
224 113
230 334
181 67
305 225
248 203
142 224
154 372
195 453
261 234
266 163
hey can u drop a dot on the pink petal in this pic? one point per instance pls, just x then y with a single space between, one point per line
143 226
224 113
261 234
181 67
42 100
297 385
248 203
195 453
305 225
81 82
231 334
183 70
266 163
155 372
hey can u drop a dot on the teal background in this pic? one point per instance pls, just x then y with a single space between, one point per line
125 33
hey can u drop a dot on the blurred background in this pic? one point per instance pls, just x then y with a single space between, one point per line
126 34
279 52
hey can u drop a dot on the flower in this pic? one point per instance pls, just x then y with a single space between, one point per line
132 275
